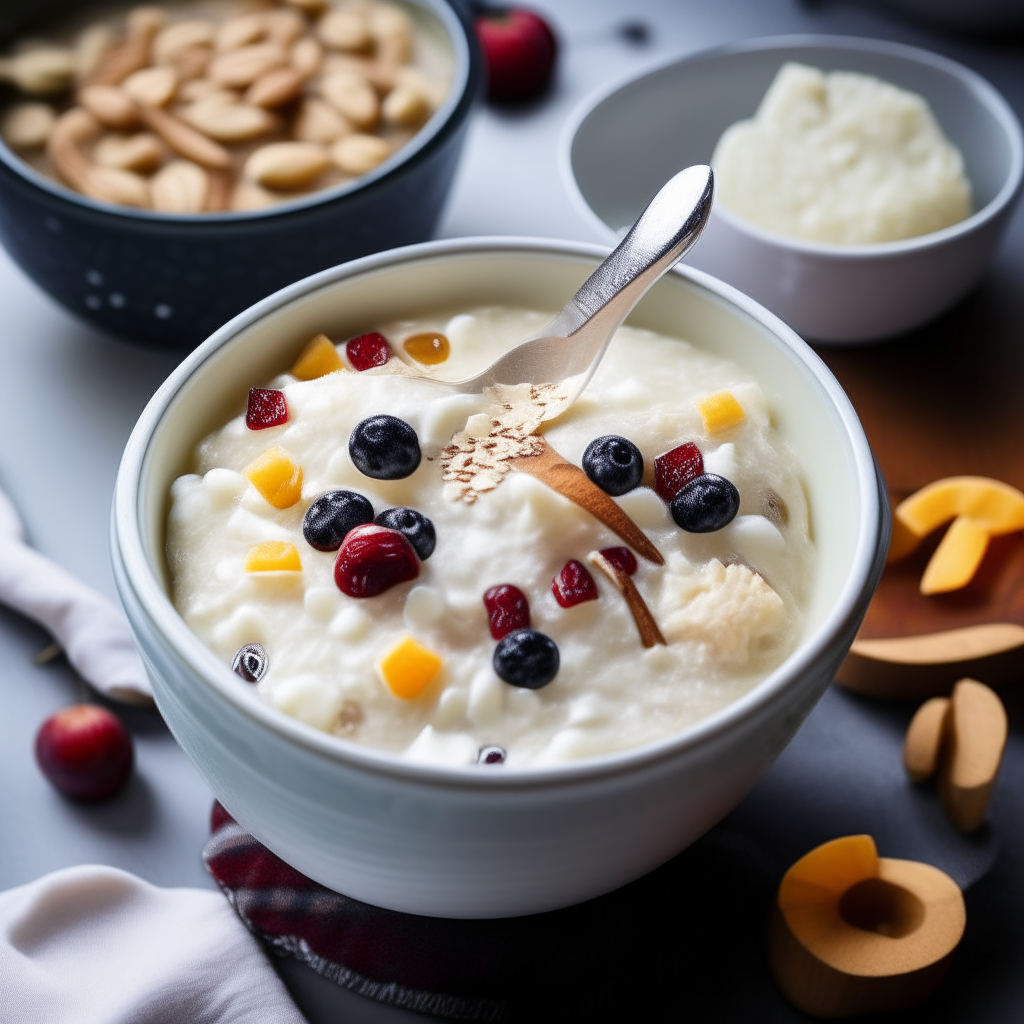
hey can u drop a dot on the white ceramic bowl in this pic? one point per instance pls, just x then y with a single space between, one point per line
468 842
624 143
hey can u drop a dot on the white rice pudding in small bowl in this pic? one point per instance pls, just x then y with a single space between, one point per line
478 620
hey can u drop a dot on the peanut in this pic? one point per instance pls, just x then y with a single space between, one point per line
350 94
241 67
228 122
111 106
180 187
406 106
40 72
142 152
287 165
175 39
133 54
358 154
275 88
347 30
92 45
185 140
153 87
27 125
306 57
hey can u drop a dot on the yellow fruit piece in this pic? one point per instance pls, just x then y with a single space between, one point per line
273 556
276 477
409 668
904 541
720 411
993 505
317 359
957 557
828 871
430 348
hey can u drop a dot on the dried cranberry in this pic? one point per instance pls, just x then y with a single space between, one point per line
675 468
266 408
491 755
373 559
574 585
368 351
622 558
507 609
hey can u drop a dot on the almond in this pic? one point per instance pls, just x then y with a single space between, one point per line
203 88
185 140
287 165
276 88
41 72
241 31
306 57
175 39
116 186
312 7
284 27
192 62
351 95
250 196
180 187
382 75
133 54
239 68
347 30
109 105
92 45
228 122
393 33
28 125
153 87
319 122
142 152
359 154
406 106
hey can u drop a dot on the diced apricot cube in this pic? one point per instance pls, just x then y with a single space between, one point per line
720 411
273 556
957 557
317 359
409 668
276 477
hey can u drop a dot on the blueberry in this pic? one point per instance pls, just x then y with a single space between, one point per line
705 504
418 529
614 464
491 755
526 658
385 448
332 515
251 662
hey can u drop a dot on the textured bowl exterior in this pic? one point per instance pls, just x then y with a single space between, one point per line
466 842
831 293
171 281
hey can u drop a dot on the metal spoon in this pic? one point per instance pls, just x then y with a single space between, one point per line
574 343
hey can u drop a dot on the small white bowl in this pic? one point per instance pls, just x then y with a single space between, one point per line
624 143
478 842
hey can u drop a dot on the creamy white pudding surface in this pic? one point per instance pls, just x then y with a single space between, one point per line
841 157
729 603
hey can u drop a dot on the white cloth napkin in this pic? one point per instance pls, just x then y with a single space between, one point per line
92 632
95 945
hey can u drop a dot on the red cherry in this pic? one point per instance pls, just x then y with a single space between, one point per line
373 559
574 585
266 408
519 51
507 609
675 468
85 752
622 558
368 350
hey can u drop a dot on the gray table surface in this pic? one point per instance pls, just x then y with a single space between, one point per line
69 397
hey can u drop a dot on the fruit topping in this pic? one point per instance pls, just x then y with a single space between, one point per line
574 585
418 529
620 558
384 447
430 348
519 51
276 477
331 516
266 408
368 350
373 559
409 668
526 658
720 411
251 662
705 504
273 556
507 609
614 464
675 468
491 755
317 359
85 752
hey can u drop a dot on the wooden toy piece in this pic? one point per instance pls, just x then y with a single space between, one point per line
856 933
571 482
972 752
646 626
923 744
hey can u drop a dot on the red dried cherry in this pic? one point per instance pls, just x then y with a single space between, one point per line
675 468
266 408
368 350
622 558
574 585
507 609
373 559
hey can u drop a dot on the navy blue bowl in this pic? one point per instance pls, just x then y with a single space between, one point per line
169 280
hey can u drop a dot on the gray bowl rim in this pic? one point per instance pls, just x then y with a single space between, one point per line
984 92
133 571
434 127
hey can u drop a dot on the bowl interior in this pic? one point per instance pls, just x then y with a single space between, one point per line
811 412
674 116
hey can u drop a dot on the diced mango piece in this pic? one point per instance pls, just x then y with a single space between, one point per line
904 541
720 411
957 557
273 556
317 359
993 505
828 871
409 668
276 477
